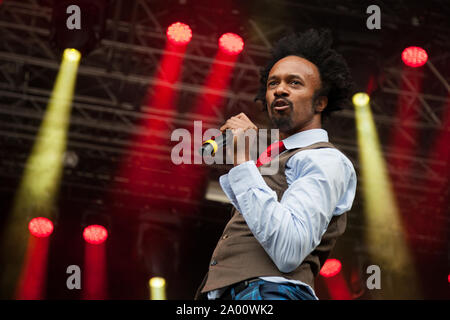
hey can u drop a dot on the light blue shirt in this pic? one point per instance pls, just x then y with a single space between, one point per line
322 184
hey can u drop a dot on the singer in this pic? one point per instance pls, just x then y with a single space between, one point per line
284 226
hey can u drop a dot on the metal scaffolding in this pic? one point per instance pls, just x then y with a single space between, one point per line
115 77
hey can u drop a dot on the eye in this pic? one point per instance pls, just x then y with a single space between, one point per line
271 83
296 82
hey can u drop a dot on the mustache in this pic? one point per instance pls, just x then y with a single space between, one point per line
288 102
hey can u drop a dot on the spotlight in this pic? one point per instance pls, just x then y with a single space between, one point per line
157 288
330 268
40 227
414 57
360 99
95 234
72 55
95 225
231 43
179 33
157 282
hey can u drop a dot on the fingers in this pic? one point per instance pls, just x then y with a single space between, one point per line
238 121
234 123
242 116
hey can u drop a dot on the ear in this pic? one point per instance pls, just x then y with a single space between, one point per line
321 104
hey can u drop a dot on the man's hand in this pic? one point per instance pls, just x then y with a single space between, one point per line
238 125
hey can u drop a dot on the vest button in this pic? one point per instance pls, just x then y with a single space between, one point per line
213 262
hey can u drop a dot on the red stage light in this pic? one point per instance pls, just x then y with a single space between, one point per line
179 33
231 43
40 227
95 234
414 56
330 268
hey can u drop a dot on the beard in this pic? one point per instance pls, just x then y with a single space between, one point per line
283 123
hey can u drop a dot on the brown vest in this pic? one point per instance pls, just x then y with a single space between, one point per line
239 256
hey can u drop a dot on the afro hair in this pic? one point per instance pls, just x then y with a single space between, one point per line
314 46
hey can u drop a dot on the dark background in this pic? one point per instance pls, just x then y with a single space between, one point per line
176 230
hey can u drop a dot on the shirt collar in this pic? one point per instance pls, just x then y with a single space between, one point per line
305 138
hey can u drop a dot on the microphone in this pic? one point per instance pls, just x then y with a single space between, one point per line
210 147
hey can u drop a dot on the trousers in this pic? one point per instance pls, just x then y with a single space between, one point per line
265 290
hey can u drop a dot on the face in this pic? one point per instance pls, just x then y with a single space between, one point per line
291 85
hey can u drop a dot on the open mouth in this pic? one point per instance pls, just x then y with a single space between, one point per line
281 108
281 105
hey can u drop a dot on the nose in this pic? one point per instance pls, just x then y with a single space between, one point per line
281 91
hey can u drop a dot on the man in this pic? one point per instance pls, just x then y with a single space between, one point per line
284 226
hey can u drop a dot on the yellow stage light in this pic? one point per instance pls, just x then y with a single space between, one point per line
72 55
360 99
157 288
385 235
38 189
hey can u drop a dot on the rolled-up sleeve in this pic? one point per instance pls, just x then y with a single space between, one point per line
322 183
